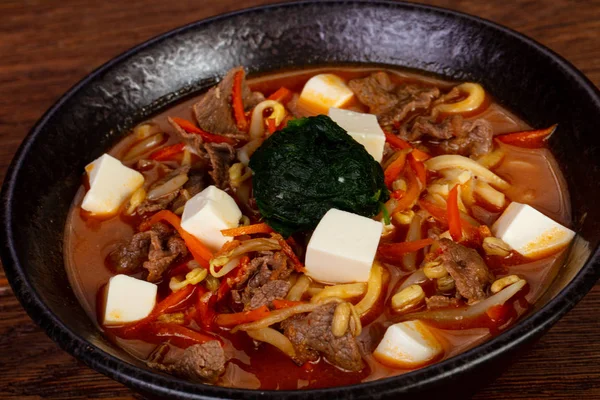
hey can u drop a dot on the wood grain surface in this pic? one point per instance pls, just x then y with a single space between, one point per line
48 46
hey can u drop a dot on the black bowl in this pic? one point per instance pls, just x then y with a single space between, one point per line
523 75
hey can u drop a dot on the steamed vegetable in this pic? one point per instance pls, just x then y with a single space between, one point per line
309 167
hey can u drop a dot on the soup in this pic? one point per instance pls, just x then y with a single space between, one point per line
317 228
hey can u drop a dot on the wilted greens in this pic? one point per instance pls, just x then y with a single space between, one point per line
309 167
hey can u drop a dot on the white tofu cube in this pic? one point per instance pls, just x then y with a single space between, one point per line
111 184
530 232
128 300
408 344
342 248
207 213
363 128
322 92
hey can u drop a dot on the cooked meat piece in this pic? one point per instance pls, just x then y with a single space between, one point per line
312 333
162 254
457 135
264 295
265 277
162 202
475 139
192 140
436 302
192 187
129 257
270 266
392 105
425 126
221 157
240 279
214 112
376 92
163 230
195 183
467 268
200 362
410 98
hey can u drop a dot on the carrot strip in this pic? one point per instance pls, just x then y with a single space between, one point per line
238 103
398 249
418 167
412 193
440 214
528 139
167 152
205 310
279 303
287 250
393 170
282 95
454 224
436 212
420 155
271 126
199 251
397 194
186 125
233 277
206 136
242 317
158 332
396 142
180 336
174 299
400 144
247 230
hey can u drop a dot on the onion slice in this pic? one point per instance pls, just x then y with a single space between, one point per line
464 317
144 146
169 186
277 316
455 161
415 278
276 338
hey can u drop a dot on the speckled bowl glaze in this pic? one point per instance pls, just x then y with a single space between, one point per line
523 75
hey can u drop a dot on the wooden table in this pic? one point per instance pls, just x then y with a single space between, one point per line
47 46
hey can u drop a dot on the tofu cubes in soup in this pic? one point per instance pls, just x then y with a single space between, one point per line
111 184
209 212
363 128
128 300
342 248
530 232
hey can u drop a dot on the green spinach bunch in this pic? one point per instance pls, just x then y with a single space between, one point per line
309 167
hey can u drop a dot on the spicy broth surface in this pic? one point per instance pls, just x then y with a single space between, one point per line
533 173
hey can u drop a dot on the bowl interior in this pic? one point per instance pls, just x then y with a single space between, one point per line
44 176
